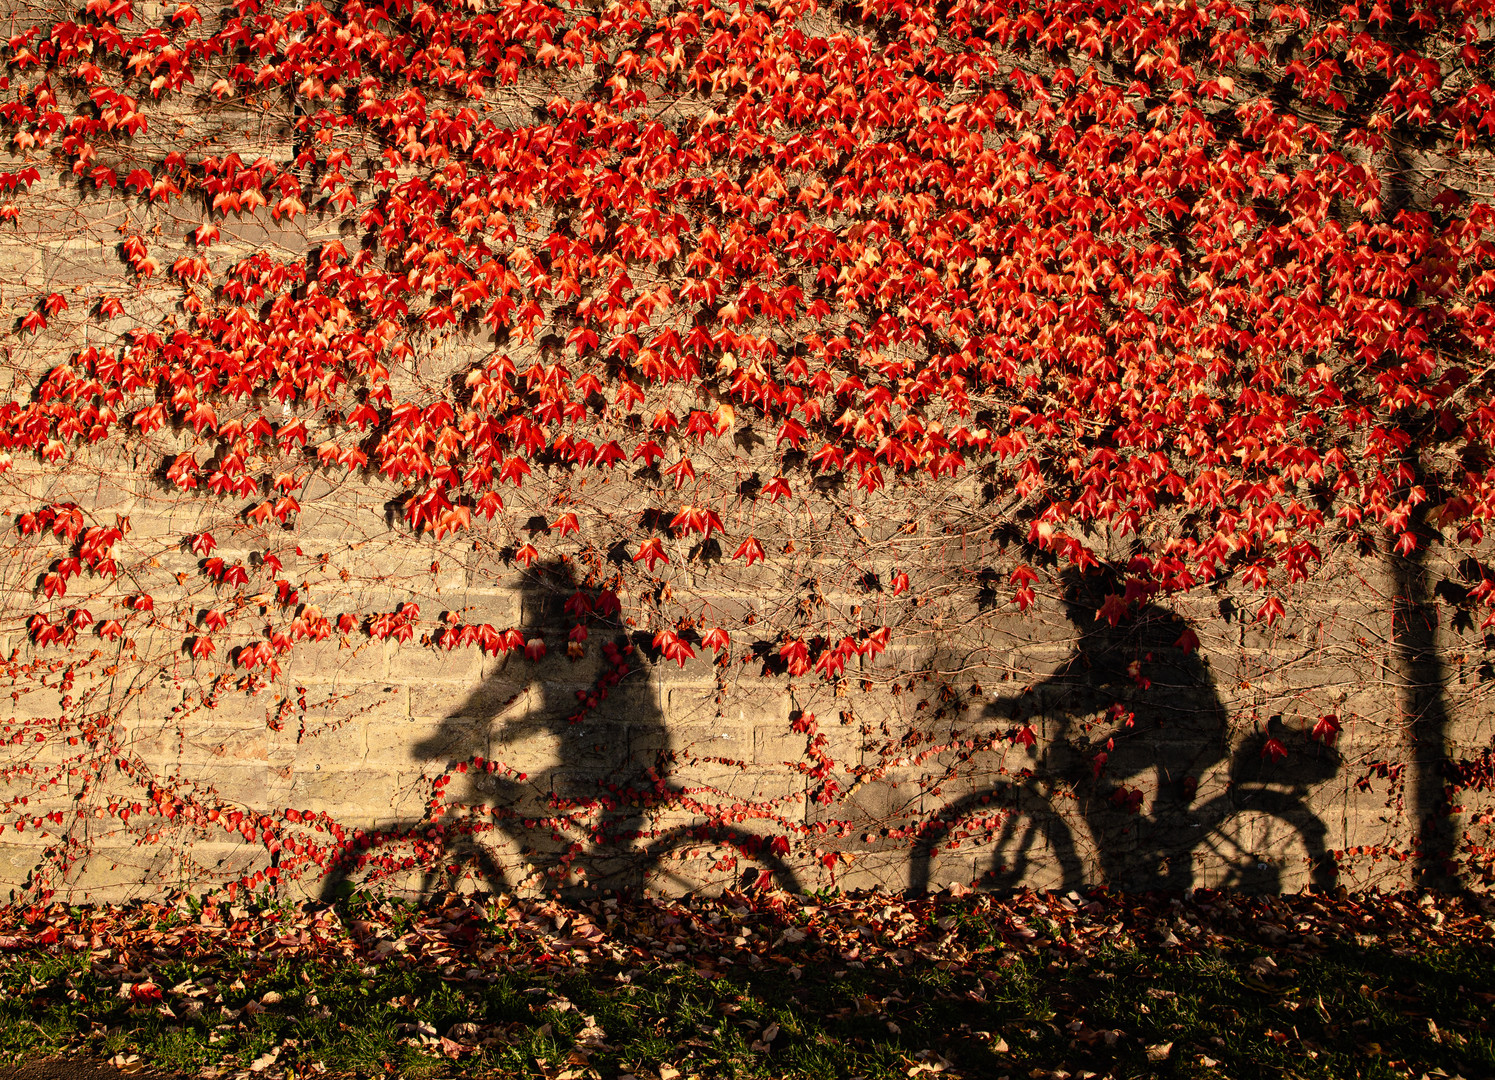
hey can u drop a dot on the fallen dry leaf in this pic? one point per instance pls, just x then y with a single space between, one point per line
265 1060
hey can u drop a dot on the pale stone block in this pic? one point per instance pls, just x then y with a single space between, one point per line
364 791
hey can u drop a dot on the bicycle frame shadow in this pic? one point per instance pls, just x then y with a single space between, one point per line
1132 715
581 823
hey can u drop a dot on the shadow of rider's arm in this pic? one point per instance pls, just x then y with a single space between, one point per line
1061 696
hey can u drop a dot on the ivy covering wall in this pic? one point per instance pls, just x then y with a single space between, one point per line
657 445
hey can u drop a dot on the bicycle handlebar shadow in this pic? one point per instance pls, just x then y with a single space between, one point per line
1132 711
584 816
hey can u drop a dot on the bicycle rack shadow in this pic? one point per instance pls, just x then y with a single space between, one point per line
584 816
1133 714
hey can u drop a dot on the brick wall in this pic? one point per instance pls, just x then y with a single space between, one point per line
969 751
914 772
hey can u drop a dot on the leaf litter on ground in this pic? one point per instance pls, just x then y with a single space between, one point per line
761 983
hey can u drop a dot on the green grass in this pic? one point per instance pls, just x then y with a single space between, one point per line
1338 1010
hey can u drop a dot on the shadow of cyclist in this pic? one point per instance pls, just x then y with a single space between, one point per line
580 721
567 757
1132 712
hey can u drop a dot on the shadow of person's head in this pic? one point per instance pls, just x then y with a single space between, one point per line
1115 608
1083 593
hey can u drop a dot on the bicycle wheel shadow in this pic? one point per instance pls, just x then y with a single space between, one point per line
1122 734
567 760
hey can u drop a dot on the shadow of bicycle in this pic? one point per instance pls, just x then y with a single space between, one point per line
1132 778
558 772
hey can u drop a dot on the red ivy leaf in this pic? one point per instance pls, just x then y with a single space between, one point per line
1326 729
673 647
650 552
750 550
